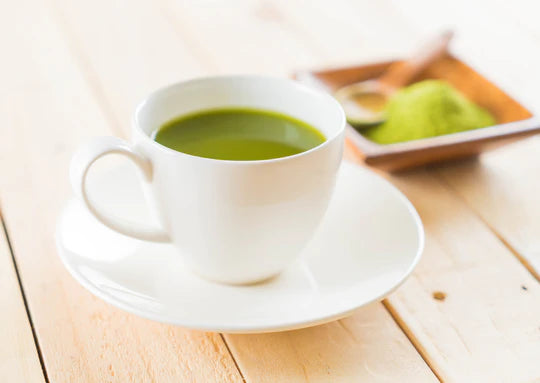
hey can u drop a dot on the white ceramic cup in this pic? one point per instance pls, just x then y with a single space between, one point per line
231 221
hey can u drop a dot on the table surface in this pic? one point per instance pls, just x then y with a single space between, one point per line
75 69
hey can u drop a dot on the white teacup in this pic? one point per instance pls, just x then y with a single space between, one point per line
231 221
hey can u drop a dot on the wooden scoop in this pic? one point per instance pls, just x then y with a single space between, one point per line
364 102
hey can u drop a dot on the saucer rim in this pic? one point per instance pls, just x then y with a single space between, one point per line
246 329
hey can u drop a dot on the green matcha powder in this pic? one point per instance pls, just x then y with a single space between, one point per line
427 109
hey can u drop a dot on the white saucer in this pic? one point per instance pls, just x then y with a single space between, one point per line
368 243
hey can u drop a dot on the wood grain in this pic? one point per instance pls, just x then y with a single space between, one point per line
486 327
19 361
126 58
49 111
503 189
356 349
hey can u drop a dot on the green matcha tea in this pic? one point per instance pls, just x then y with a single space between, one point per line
425 109
239 134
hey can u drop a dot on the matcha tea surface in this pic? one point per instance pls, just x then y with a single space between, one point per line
239 134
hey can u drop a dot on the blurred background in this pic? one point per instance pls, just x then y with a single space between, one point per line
116 46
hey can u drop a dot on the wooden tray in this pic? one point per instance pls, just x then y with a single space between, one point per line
514 120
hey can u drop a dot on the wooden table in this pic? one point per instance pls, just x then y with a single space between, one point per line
75 69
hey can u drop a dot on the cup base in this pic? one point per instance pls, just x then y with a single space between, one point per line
235 281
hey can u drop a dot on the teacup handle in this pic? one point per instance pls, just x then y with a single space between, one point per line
81 163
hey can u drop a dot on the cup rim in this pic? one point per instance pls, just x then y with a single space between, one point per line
296 84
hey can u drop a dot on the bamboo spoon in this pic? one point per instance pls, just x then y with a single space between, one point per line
364 102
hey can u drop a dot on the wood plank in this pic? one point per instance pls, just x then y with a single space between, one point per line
19 361
281 37
486 329
366 347
501 187
248 37
49 108
134 51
